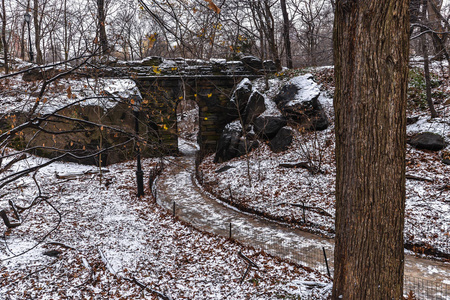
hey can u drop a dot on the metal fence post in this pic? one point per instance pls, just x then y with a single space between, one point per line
326 262
173 209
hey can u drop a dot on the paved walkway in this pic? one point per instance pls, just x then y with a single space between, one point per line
176 185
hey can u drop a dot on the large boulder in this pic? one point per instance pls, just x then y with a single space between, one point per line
252 63
428 141
239 99
268 126
233 143
148 62
255 106
299 102
269 66
282 140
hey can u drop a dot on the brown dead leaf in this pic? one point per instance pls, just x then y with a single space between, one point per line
213 6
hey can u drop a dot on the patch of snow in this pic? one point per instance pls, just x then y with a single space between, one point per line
168 64
308 89
218 60
440 125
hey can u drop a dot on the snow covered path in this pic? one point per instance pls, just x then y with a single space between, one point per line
176 185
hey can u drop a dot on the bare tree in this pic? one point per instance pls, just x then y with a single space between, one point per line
264 19
4 41
286 34
314 30
33 123
101 16
426 63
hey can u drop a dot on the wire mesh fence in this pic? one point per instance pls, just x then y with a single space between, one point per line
425 289
316 257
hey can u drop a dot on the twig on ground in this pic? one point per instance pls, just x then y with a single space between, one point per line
132 280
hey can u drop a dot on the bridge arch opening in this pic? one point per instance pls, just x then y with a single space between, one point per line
187 124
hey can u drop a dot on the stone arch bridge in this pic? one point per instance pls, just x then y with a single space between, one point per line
163 84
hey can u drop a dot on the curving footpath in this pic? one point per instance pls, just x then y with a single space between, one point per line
177 191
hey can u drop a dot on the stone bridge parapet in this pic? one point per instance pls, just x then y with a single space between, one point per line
164 83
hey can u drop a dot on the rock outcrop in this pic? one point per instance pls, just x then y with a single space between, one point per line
282 140
234 142
299 102
428 141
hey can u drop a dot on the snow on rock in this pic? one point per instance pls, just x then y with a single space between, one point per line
21 96
233 126
438 126
307 89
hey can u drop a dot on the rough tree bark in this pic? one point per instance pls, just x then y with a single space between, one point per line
4 41
371 48
433 8
37 21
426 63
286 34
101 26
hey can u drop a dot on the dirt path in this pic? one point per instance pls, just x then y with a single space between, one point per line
429 279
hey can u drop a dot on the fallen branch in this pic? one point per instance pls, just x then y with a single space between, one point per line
6 220
250 264
133 280
13 161
303 165
145 287
414 177
60 244
79 174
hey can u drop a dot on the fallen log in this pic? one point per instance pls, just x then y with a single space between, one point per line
79 174
418 178
8 223
302 164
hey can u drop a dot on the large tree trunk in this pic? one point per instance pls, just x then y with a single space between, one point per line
101 26
286 34
371 48
434 9
37 32
426 64
4 41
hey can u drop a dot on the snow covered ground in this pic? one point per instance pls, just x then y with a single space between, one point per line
271 190
109 244
88 236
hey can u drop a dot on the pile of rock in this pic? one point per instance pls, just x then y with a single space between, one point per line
297 102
